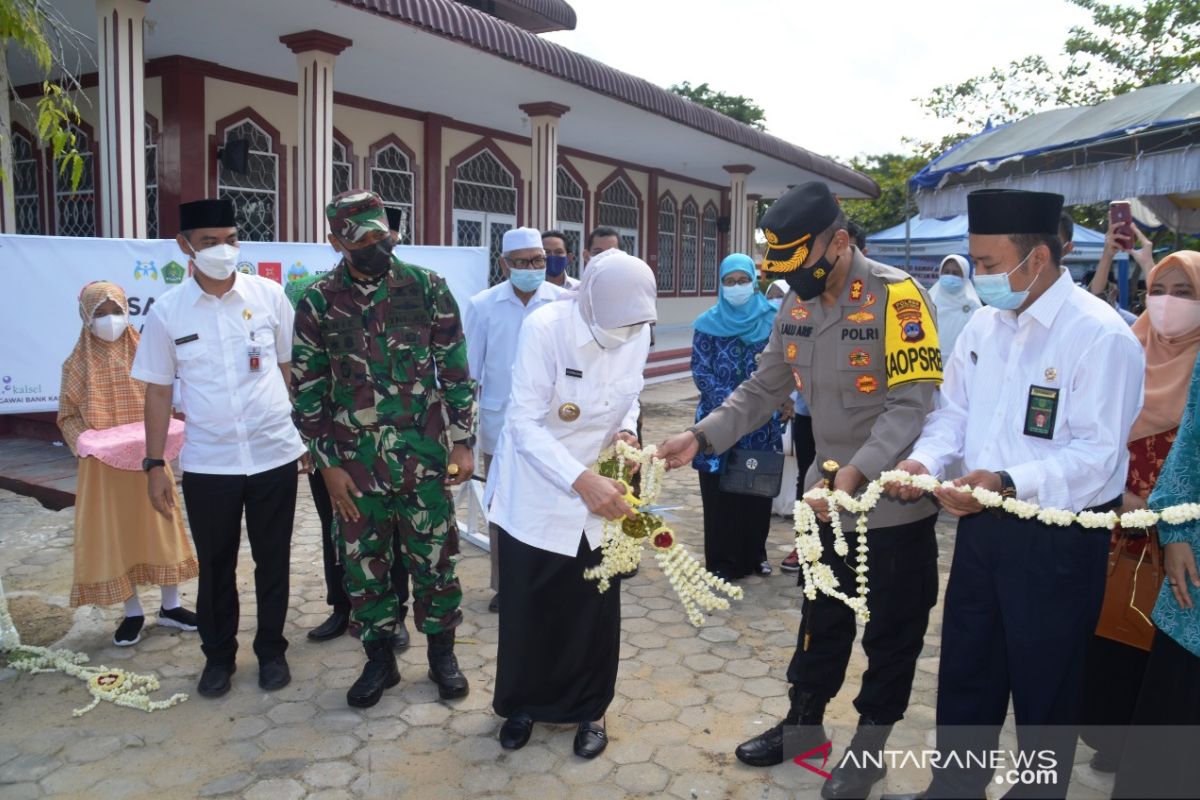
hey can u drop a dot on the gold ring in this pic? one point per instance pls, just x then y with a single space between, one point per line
452 469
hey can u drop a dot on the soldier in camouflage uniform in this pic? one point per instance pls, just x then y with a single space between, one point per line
379 366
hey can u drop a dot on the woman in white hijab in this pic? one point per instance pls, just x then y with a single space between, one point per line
955 299
576 380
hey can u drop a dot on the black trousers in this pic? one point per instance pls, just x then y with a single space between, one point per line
335 584
735 528
902 565
214 506
1021 608
805 448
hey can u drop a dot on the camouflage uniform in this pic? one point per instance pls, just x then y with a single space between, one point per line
378 369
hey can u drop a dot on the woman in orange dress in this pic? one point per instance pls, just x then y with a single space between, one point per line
120 540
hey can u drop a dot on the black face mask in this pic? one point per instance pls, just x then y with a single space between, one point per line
810 283
373 261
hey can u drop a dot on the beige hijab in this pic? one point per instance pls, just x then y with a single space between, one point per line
95 376
1169 362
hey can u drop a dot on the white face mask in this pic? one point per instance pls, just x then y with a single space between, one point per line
110 326
1171 316
612 338
217 262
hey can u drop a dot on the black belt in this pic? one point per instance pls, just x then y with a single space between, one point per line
1111 505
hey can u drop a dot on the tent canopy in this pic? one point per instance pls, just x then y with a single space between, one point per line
1142 144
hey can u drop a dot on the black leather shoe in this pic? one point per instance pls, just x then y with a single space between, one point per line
854 778
400 639
214 680
766 749
274 674
590 740
494 605
379 673
515 732
1104 762
331 628
443 667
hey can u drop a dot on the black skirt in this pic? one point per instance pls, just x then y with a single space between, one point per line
735 528
560 639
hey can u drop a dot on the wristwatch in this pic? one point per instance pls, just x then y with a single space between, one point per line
467 442
1007 487
705 446
150 463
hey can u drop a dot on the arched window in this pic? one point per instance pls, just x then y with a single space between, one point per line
255 193
75 209
484 206
26 186
689 247
151 183
392 180
569 213
708 250
619 209
668 226
342 170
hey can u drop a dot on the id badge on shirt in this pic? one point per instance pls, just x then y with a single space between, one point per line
254 355
1040 412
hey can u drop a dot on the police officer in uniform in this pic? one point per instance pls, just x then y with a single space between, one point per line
856 337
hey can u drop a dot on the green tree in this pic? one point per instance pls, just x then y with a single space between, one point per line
891 171
36 28
735 106
1124 47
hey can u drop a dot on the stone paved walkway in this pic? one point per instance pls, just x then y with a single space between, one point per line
685 697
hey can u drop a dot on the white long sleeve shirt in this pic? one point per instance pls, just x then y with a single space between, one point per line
540 454
1067 342
226 351
491 323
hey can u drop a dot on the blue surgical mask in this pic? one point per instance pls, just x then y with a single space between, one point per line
556 265
527 280
951 283
738 294
997 291
777 302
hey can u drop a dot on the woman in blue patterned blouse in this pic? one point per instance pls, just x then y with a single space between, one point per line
725 347
1167 765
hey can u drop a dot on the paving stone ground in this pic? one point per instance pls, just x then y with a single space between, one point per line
685 697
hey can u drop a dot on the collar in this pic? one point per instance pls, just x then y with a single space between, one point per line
583 334
194 292
542 293
1046 307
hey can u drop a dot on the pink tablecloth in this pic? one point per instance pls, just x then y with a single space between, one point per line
124 446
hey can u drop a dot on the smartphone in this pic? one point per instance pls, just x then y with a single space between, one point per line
1120 214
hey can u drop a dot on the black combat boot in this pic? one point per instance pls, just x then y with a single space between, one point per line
380 673
443 667
766 749
862 765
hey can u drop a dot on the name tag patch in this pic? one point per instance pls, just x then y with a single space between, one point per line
574 373
1040 412
189 338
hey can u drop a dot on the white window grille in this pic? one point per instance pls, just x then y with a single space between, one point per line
26 189
75 209
482 184
689 244
255 195
667 228
618 208
708 251
392 180
151 184
570 217
341 168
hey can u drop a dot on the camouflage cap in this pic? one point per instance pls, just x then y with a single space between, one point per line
354 213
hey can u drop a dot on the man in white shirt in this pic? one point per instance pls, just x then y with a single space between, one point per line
492 321
228 336
558 259
575 387
1039 396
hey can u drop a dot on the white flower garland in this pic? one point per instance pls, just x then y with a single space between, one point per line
623 540
114 685
819 577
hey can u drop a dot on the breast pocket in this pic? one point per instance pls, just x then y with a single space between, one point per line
188 359
263 339
861 375
345 341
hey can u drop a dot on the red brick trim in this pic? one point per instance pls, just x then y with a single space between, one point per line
320 41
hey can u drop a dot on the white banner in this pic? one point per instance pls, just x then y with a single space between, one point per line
43 275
